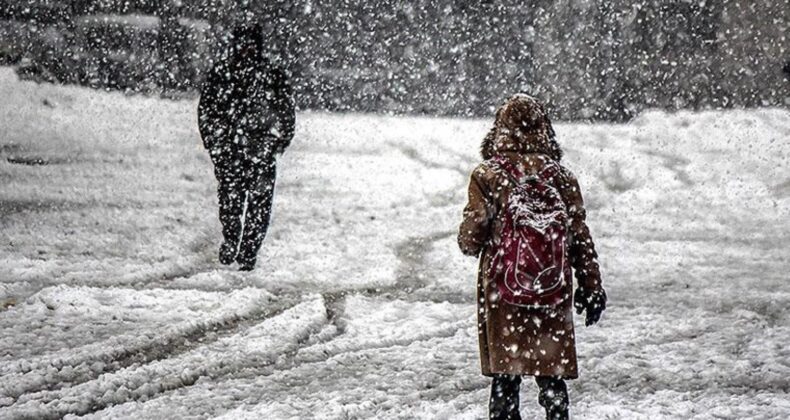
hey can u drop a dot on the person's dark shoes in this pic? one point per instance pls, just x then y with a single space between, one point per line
247 265
557 413
553 397
246 262
227 253
594 303
504 401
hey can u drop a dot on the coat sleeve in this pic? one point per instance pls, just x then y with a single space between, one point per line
210 120
474 232
284 107
582 253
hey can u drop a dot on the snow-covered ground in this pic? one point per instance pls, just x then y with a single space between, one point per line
112 303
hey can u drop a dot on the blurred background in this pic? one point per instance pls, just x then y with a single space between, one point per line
589 59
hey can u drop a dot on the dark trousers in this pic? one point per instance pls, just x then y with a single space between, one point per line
246 177
504 402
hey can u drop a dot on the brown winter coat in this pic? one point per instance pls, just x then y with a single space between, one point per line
516 340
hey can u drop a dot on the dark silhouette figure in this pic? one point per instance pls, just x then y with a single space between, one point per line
246 117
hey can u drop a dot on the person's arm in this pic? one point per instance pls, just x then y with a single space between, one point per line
474 231
582 253
210 124
285 107
590 294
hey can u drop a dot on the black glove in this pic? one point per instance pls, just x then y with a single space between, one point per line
593 302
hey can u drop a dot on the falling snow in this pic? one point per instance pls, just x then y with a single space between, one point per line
673 116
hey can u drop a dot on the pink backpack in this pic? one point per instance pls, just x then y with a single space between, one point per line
530 266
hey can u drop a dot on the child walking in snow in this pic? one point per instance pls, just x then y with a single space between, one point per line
525 219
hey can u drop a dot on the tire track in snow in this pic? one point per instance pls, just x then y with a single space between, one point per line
307 355
260 345
415 155
160 277
363 339
52 372
676 164
411 254
334 305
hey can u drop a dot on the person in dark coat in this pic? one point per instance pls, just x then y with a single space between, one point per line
246 117
518 341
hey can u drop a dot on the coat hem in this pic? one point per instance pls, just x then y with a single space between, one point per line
564 377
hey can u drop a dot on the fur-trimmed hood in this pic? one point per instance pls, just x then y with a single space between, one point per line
521 125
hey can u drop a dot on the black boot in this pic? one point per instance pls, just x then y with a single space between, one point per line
246 263
553 396
227 253
504 402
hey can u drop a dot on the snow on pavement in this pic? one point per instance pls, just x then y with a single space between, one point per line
74 333
362 307
259 345
386 356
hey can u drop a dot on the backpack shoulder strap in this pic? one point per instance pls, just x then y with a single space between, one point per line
511 170
549 171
